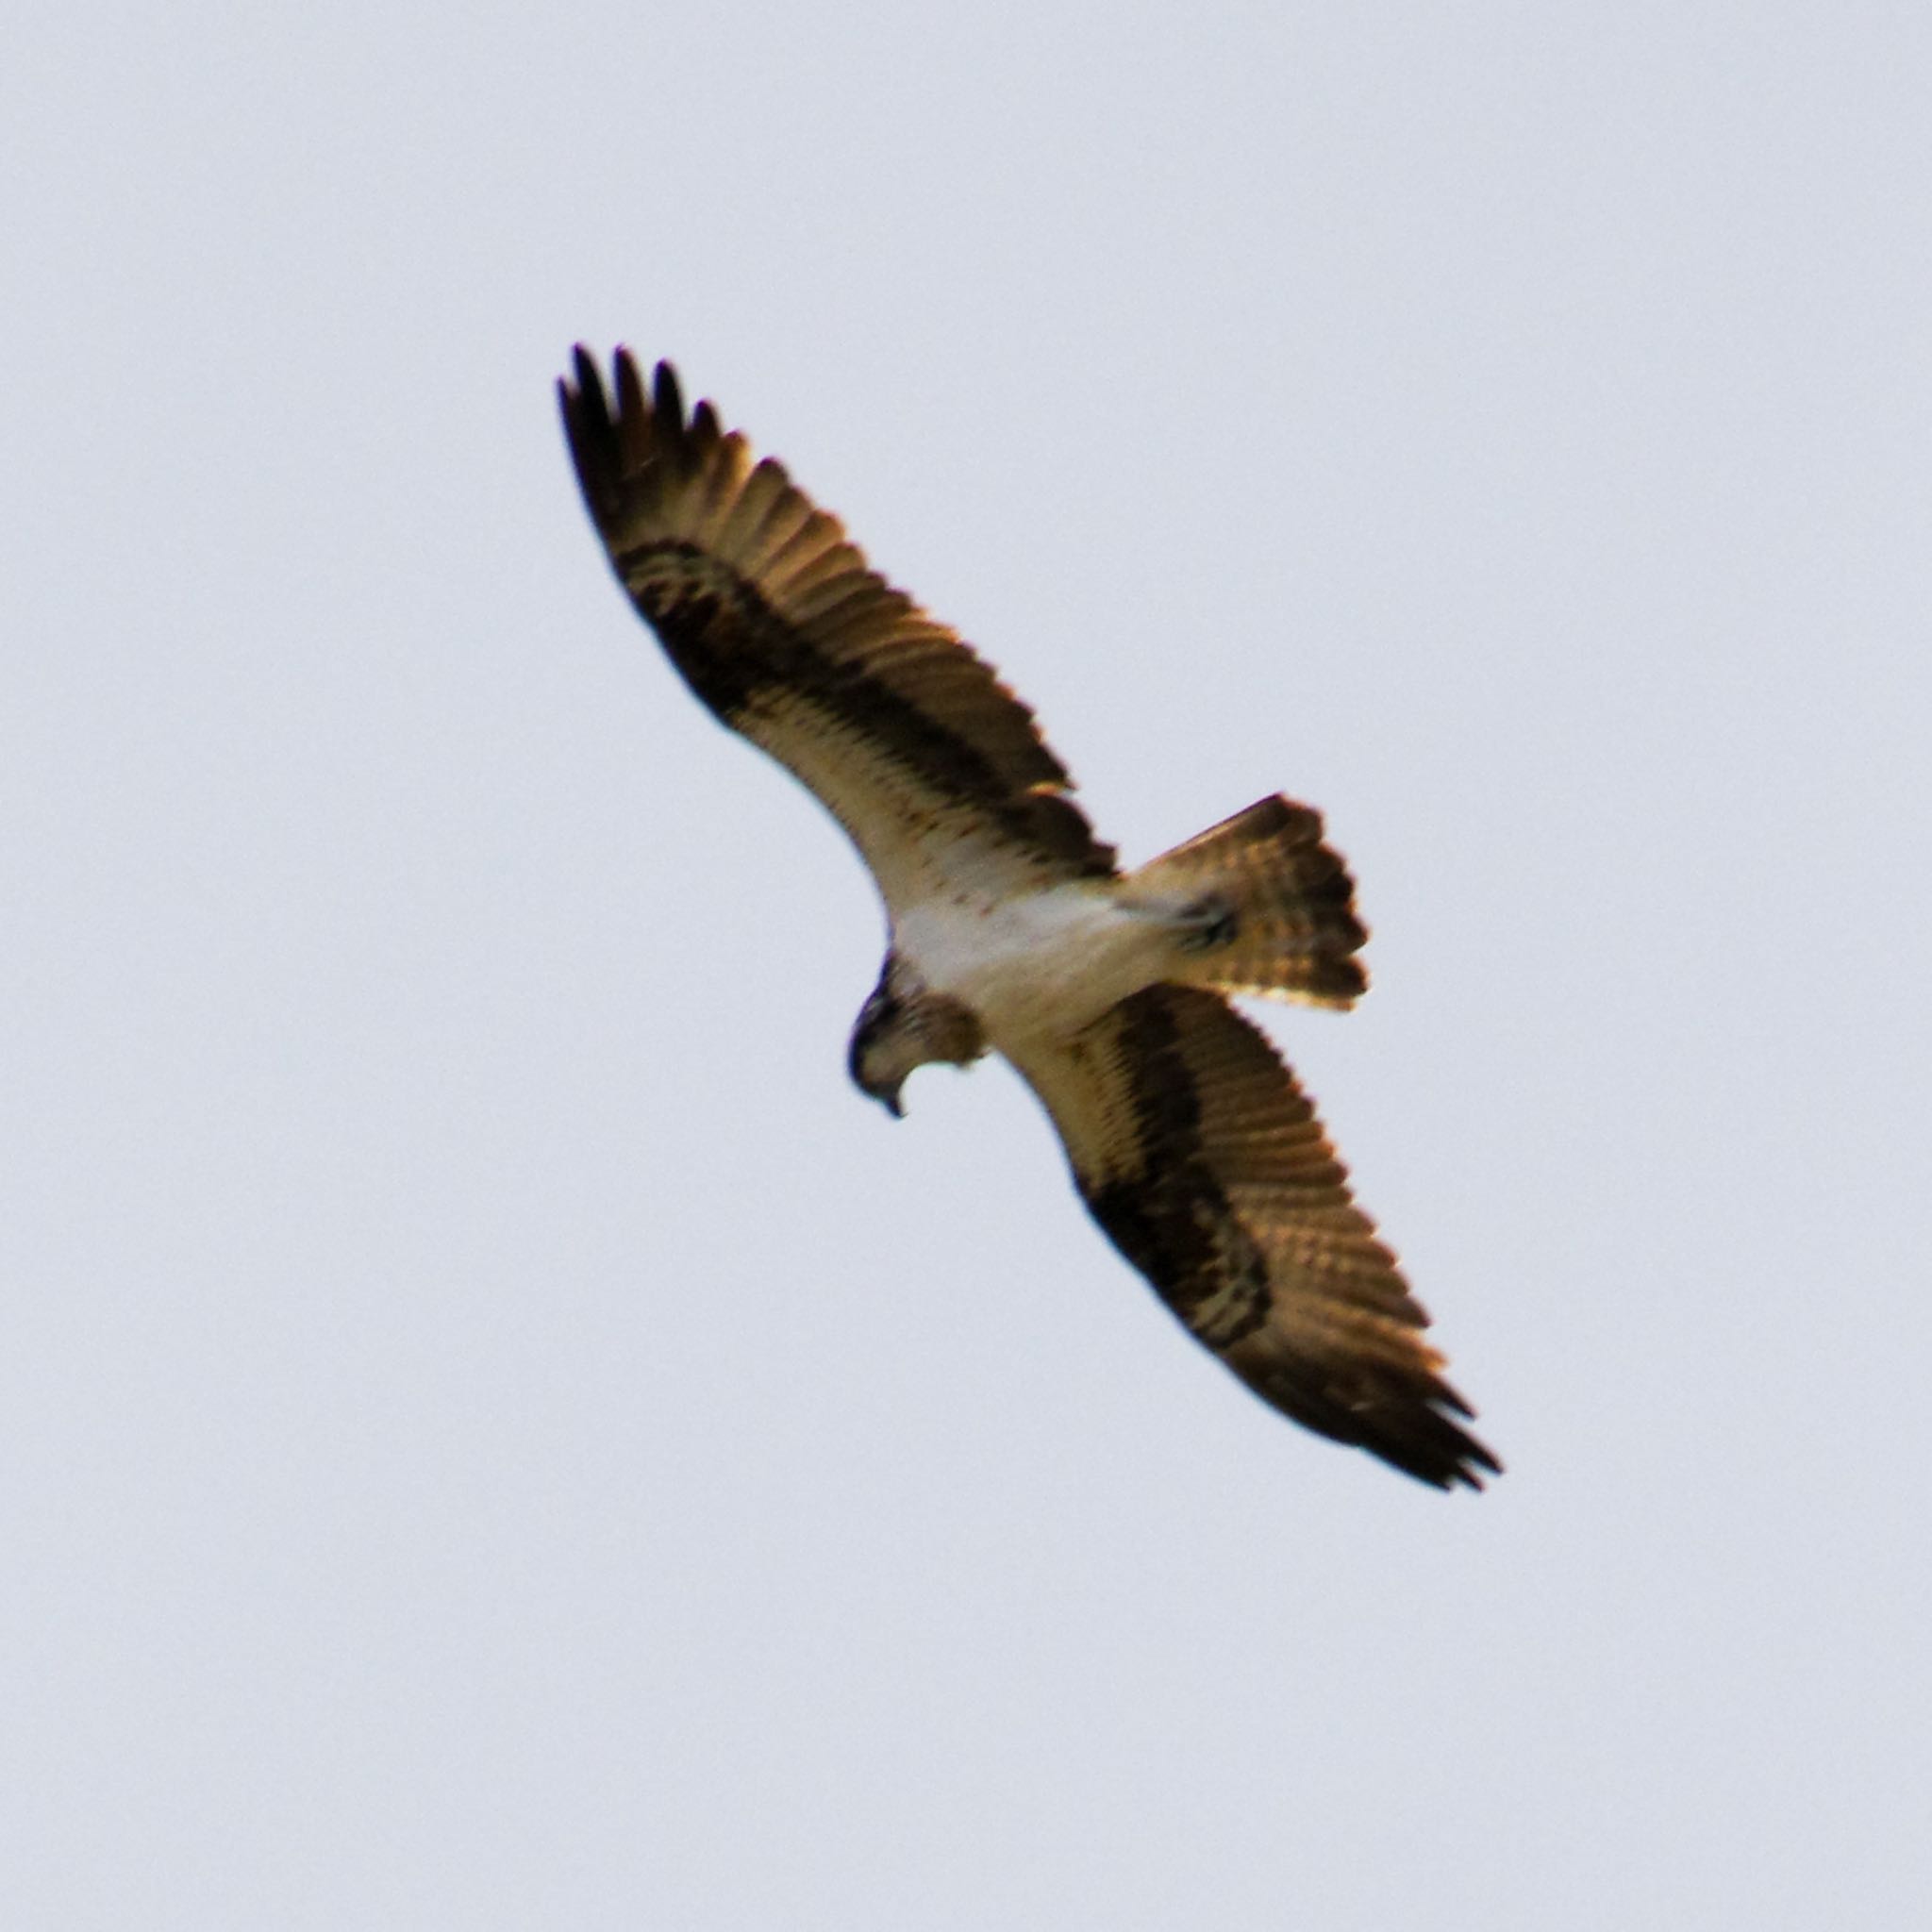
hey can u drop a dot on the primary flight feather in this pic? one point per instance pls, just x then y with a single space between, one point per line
1011 930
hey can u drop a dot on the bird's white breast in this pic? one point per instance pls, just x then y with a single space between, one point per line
1029 964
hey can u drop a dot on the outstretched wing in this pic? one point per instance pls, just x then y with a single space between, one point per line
936 769
1194 1149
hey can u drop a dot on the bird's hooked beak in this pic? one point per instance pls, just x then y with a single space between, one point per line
888 1097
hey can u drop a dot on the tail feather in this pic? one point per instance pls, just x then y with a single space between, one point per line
1272 907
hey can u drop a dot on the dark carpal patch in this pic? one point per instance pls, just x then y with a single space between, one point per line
731 647
706 617
925 699
1171 1218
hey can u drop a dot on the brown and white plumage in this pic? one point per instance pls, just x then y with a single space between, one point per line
1194 1149
1012 930
778 624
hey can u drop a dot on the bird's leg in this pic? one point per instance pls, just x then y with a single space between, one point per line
1202 924
1208 923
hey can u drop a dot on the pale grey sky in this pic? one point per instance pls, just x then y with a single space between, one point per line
495 1433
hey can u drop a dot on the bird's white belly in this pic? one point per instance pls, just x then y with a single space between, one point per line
1043 964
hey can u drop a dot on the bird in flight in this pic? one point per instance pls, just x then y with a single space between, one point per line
1011 928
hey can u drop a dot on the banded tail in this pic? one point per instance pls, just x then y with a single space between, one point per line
1273 907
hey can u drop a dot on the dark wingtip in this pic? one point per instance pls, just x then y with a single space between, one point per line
616 433
666 395
1405 1417
1438 1453
631 406
1470 1455
592 435
1475 1458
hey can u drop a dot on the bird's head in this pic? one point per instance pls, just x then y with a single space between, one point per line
885 1045
901 1026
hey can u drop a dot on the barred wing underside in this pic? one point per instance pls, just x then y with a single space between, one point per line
1194 1149
937 771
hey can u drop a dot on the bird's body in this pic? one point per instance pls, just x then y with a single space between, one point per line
1037 965
1012 929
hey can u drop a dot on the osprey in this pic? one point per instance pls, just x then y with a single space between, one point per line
1011 930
